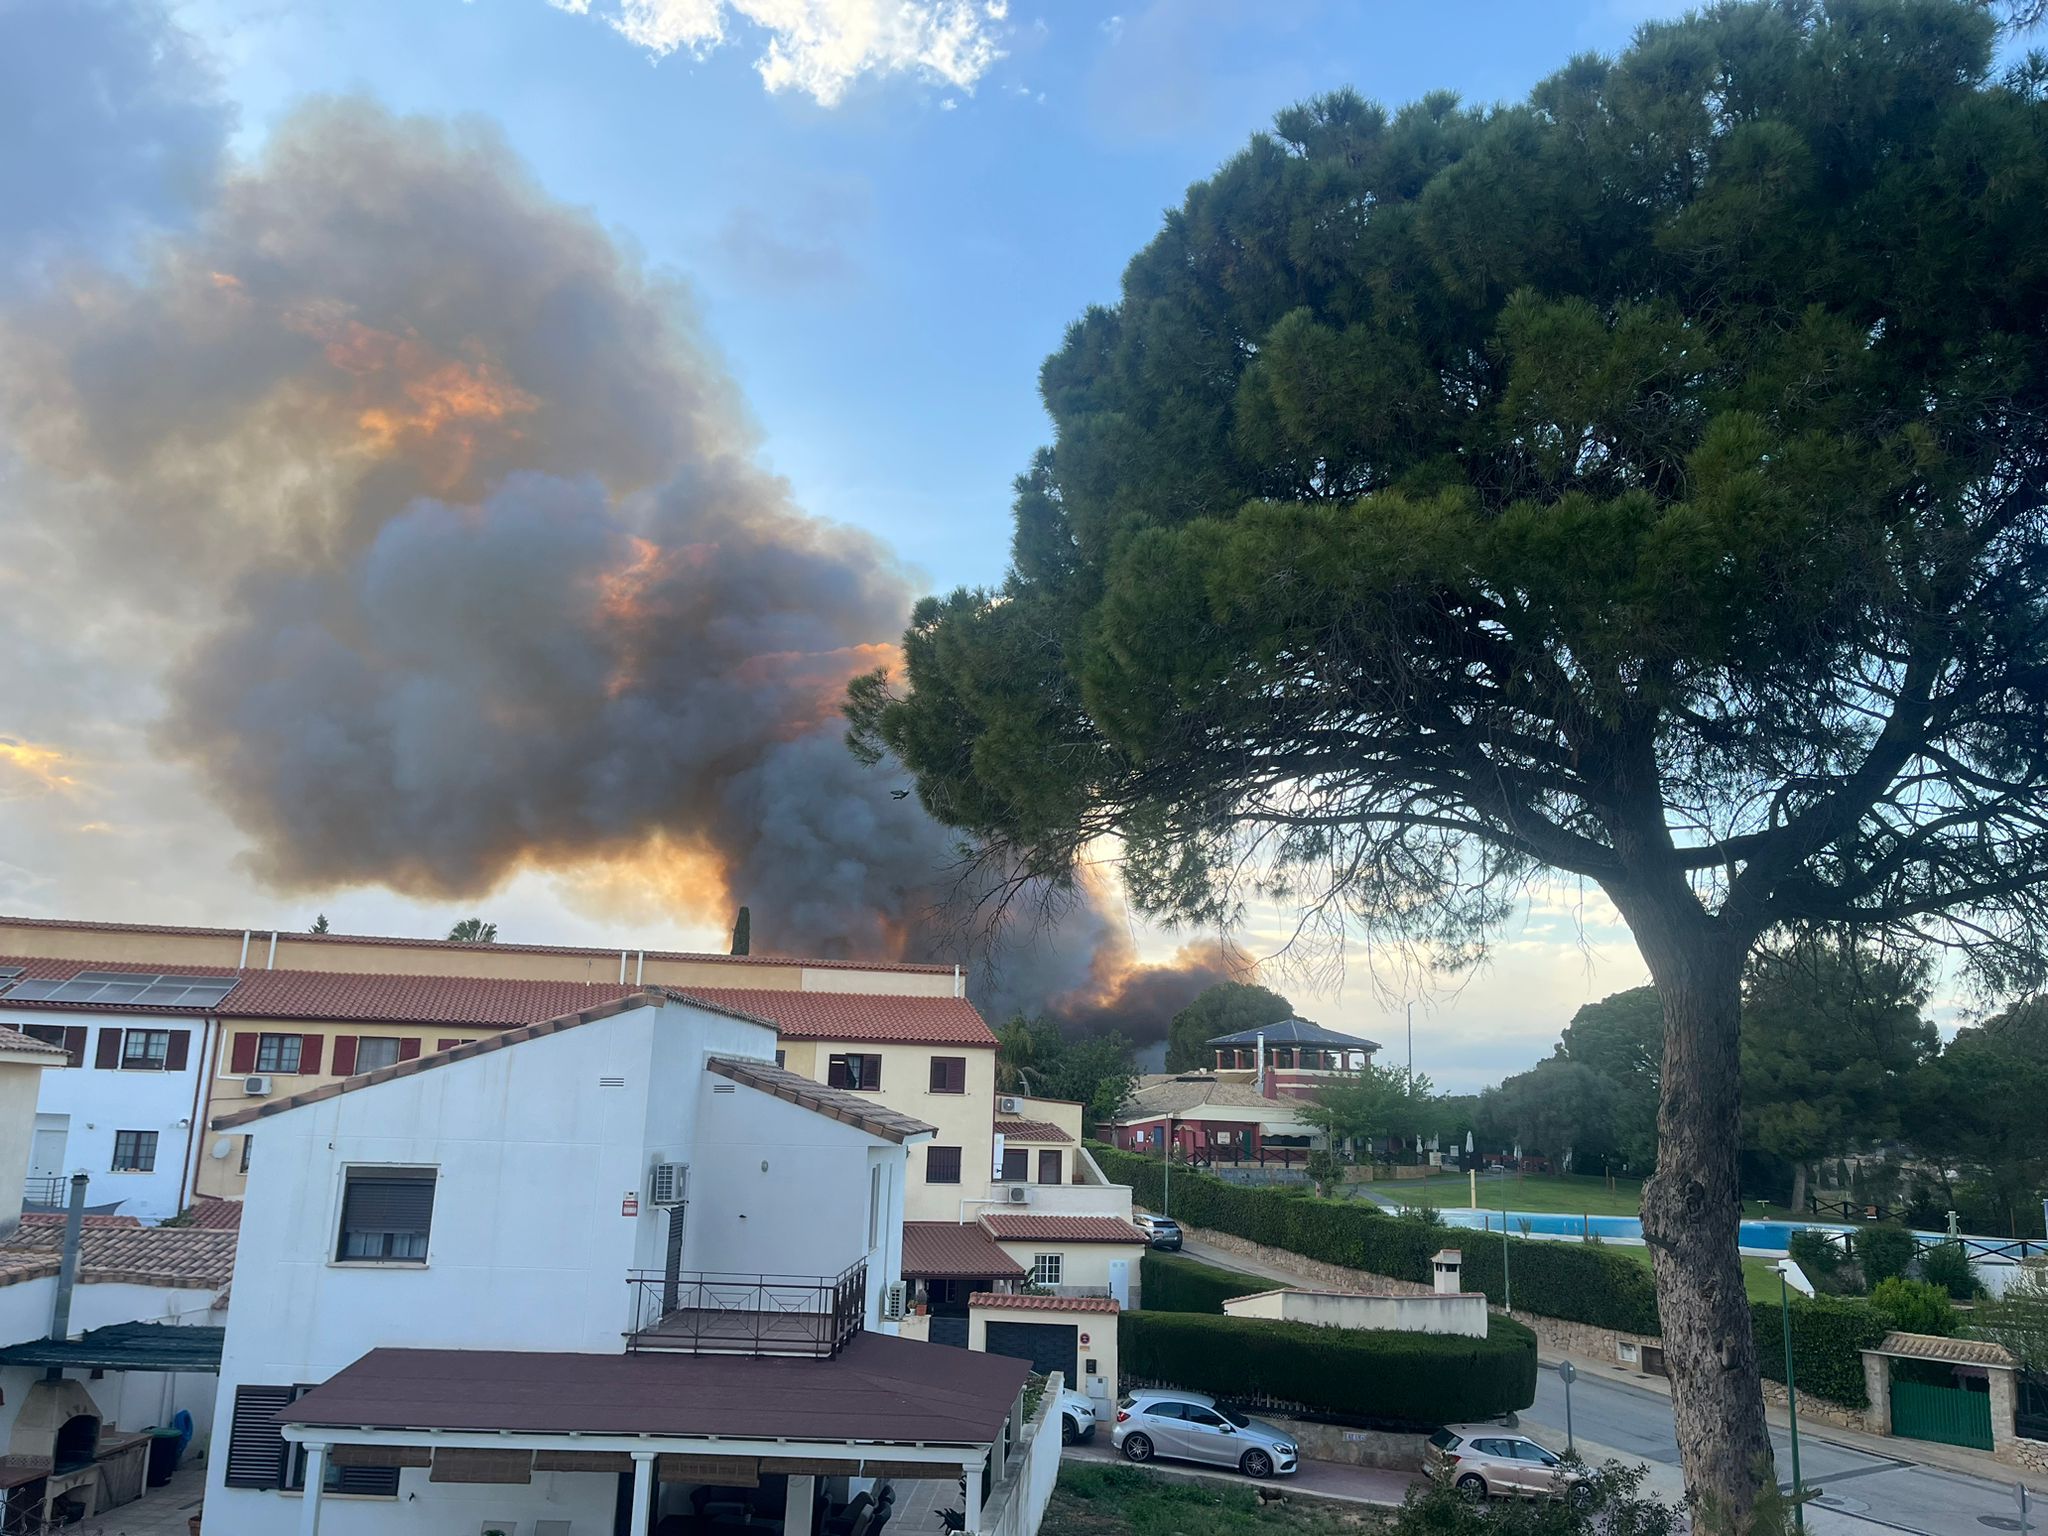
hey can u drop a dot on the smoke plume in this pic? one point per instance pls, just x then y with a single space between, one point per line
481 571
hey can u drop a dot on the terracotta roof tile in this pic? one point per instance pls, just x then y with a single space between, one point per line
163 1256
951 1250
882 1019
836 1103
216 1215
1007 1228
1030 1130
92 1219
14 1043
1027 1303
1928 1346
262 935
18 1266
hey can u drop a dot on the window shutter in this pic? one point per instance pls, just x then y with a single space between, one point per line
444 1045
942 1165
836 1075
110 1050
309 1052
344 1054
174 1052
1016 1165
408 1050
1048 1167
378 1204
872 1077
242 1056
256 1446
74 1045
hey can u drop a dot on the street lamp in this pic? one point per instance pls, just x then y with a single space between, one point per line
1792 1278
1507 1284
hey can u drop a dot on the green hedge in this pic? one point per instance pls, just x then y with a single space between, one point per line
1828 1335
1172 1283
1578 1282
1408 1378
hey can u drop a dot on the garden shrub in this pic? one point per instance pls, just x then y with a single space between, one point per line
1882 1251
1386 1377
1915 1306
1815 1254
1170 1282
1948 1266
1829 1334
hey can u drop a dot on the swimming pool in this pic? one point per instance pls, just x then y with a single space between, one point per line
1764 1236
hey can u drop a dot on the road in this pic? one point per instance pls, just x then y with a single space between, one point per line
1863 1492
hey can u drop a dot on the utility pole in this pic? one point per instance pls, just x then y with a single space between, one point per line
1411 1048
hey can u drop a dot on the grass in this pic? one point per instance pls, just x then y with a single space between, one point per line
1567 1194
1758 1278
1092 1500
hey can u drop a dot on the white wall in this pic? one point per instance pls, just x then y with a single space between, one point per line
96 1103
18 1088
1084 1266
1464 1315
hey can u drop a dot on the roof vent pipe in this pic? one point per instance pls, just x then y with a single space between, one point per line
271 963
243 963
622 966
640 968
67 1269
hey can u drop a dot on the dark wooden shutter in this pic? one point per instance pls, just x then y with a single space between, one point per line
443 1045
408 1050
1048 1167
942 1165
74 1045
180 1042
836 1075
242 1055
344 1055
309 1052
386 1203
1016 1164
871 1073
110 1050
256 1446
949 1074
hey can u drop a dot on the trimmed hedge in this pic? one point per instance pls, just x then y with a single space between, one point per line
1172 1283
1578 1282
1407 1378
1828 1335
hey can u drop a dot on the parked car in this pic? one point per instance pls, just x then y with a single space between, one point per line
1482 1459
1077 1418
1164 1231
1187 1426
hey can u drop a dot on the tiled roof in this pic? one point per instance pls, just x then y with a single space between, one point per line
866 1017
1030 1130
1007 1228
216 1215
92 1219
1296 1032
497 1042
14 1043
1025 1303
1928 1346
20 1265
1170 1095
262 936
837 1103
163 1256
951 1250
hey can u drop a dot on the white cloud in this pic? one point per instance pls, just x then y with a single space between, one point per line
820 47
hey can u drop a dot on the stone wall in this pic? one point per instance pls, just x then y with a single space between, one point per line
1354 1447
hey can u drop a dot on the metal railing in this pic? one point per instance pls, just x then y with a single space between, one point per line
710 1312
46 1192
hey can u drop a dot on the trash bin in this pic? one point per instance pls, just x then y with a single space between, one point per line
164 1446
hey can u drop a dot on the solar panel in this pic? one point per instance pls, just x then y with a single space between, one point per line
115 988
9 972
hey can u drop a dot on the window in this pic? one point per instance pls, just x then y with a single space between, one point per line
385 1215
861 1073
942 1165
376 1481
1208 1418
1016 1164
949 1074
258 1454
374 1051
135 1151
279 1053
1048 1167
779 1055
70 1041
247 1143
144 1050
1045 1269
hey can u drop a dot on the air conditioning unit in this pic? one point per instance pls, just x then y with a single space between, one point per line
256 1087
1020 1194
668 1184
895 1302
1009 1106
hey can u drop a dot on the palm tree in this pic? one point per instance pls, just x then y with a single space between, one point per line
473 930
1016 1056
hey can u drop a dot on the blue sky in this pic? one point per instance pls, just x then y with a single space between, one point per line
881 233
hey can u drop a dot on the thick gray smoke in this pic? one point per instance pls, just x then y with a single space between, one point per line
484 572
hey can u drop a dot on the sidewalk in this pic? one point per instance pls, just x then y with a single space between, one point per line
1322 1479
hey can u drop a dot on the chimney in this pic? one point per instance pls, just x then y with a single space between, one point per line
1447 1263
743 932
67 1269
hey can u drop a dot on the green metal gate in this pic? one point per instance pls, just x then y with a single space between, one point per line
1946 1414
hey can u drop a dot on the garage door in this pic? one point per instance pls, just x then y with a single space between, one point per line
1048 1346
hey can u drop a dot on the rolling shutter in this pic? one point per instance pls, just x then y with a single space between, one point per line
256 1446
344 1055
178 1044
309 1052
242 1058
408 1050
74 1046
109 1058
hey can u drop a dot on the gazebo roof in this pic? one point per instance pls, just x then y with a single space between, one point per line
1297 1032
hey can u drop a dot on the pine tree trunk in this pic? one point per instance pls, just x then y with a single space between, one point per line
1798 1187
1691 1206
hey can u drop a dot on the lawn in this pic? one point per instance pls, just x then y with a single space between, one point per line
1758 1278
1109 1501
1570 1194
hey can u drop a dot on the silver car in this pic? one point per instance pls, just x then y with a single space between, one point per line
1482 1459
1187 1426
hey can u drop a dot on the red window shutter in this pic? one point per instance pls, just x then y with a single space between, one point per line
110 1049
242 1054
74 1046
444 1045
344 1054
309 1052
175 1049
408 1050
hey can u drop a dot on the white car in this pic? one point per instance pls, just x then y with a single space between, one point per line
1077 1418
1191 1426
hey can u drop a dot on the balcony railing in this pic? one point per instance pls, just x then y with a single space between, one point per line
45 1193
707 1313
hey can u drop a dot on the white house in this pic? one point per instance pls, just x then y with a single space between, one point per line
580 1277
123 1104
